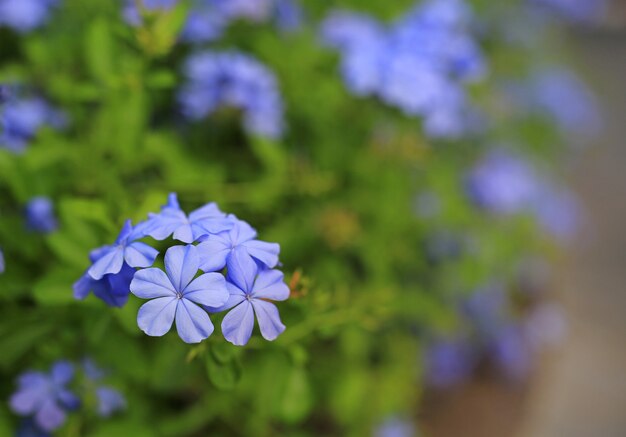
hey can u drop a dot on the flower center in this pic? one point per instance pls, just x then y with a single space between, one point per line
179 295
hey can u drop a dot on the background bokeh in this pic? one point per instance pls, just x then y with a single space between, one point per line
444 179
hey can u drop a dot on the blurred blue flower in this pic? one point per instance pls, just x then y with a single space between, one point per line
395 427
511 352
172 220
110 401
2 265
20 119
45 396
125 250
250 289
235 80
501 183
573 10
40 215
288 15
558 212
25 15
217 250
561 95
113 289
28 428
420 64
487 309
448 362
175 295
132 14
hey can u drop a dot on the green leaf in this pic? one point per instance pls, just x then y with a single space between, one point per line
223 375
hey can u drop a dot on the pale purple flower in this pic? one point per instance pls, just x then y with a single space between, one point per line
110 401
173 220
2 265
25 15
250 289
216 250
111 258
45 397
175 294
40 215
448 362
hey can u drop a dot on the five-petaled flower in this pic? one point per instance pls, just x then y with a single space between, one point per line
136 254
250 289
176 294
216 250
172 220
45 397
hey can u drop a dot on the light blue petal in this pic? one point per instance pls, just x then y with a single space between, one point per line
50 416
109 401
265 252
62 372
183 233
268 318
26 401
110 262
241 232
210 210
241 269
160 226
269 284
82 287
140 255
155 317
236 297
151 283
210 226
213 253
125 232
238 323
208 289
68 399
192 322
181 265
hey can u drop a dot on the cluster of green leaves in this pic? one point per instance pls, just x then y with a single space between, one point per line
337 193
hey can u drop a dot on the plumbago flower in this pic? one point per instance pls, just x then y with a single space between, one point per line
110 400
172 220
46 397
2 266
175 295
40 215
25 16
250 289
217 250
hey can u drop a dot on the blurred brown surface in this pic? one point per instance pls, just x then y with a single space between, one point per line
582 392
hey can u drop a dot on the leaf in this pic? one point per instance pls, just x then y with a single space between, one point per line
223 375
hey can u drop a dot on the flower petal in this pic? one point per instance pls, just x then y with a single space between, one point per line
213 253
208 289
110 262
241 232
68 399
192 322
82 287
26 401
140 254
265 252
268 318
183 233
151 283
236 297
109 401
125 232
181 265
269 284
62 372
206 226
238 323
242 269
160 226
155 317
50 416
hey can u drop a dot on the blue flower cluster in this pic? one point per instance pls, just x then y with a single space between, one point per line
40 215
45 398
420 64
21 119
25 15
234 80
177 293
208 19
490 334
504 183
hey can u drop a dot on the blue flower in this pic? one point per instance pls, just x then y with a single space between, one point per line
28 428
235 80
172 220
501 183
20 120
176 294
288 15
132 15
25 15
2 265
217 250
113 289
558 212
574 10
110 259
395 427
511 352
110 401
40 215
250 289
448 362
45 397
